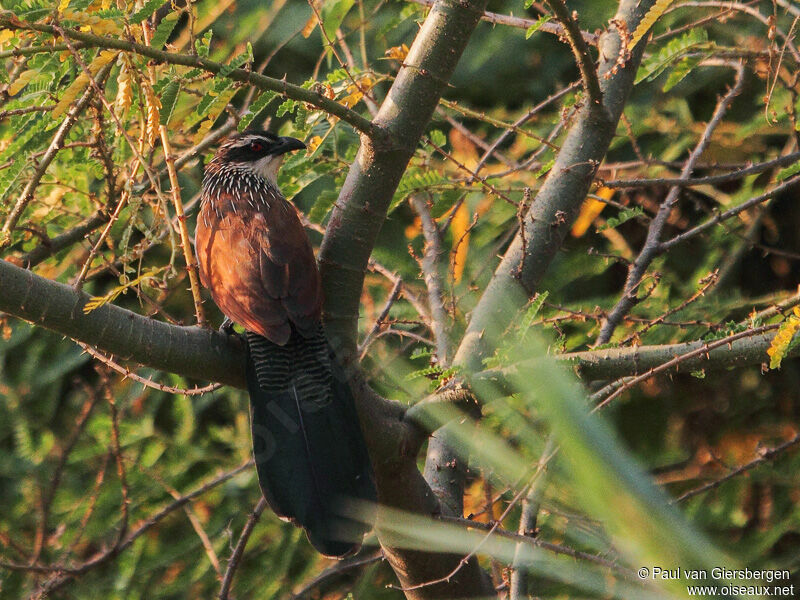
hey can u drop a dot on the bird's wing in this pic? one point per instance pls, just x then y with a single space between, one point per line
260 268
288 265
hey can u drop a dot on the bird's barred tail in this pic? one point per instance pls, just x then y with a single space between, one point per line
309 451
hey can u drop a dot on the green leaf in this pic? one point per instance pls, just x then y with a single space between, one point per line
148 9
789 171
545 168
438 138
8 177
415 179
204 45
336 76
537 25
332 14
286 107
681 70
164 30
533 310
692 40
322 206
255 108
169 98
237 61
300 118
624 216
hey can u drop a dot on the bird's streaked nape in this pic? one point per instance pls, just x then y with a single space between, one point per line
256 260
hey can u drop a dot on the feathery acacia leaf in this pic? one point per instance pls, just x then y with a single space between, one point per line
653 15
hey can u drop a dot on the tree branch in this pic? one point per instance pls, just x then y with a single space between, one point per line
188 351
295 92
652 246
522 23
611 363
560 197
580 49
350 237
364 199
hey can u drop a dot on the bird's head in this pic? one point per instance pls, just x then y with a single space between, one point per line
260 152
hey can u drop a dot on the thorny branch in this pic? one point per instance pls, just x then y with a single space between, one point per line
652 246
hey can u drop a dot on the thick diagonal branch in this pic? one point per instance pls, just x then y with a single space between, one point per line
556 205
350 237
373 178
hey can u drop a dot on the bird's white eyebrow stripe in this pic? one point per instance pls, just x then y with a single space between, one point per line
243 141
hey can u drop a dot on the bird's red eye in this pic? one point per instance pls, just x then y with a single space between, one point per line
256 146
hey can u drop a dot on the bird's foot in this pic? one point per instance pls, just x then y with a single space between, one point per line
227 327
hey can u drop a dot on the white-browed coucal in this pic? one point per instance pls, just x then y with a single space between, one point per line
256 259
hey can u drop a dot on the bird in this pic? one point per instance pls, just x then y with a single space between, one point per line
255 258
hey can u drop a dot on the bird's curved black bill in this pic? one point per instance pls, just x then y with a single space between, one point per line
287 144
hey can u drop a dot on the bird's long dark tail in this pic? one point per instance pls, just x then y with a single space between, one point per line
307 442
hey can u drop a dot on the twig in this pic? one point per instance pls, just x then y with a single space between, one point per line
110 362
431 272
569 21
707 283
103 234
527 520
334 572
708 180
652 246
408 293
236 557
23 111
175 189
767 454
55 478
491 528
379 322
522 23
521 121
120 127
723 216
537 543
195 522
55 145
704 349
295 92
103 556
117 452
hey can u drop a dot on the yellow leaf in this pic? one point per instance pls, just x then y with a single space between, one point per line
124 97
204 128
464 150
62 6
780 343
153 106
590 210
356 92
309 27
21 81
397 52
69 95
460 225
414 229
658 9
96 302
5 35
313 144
81 82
